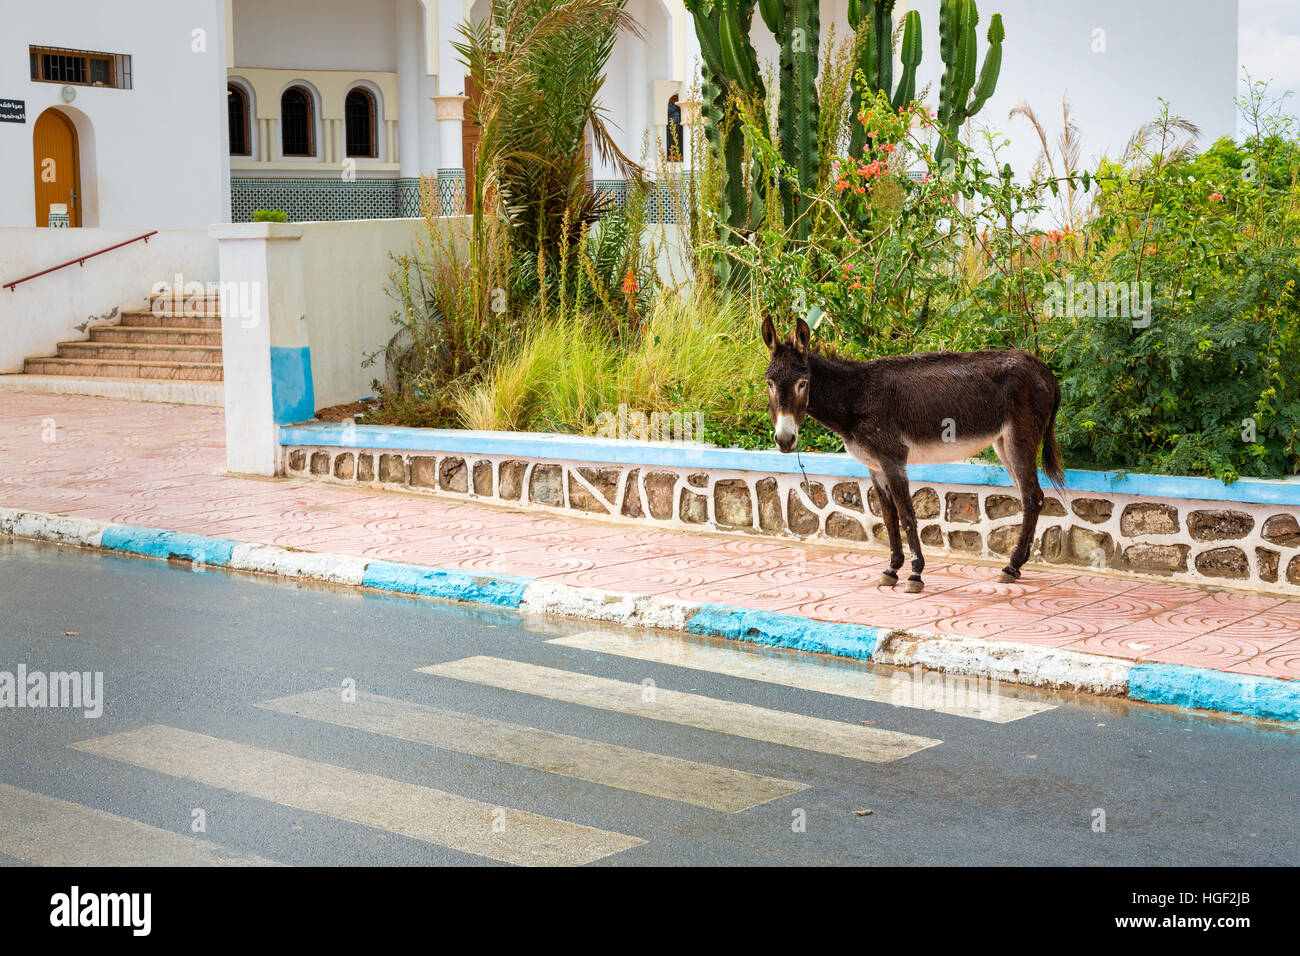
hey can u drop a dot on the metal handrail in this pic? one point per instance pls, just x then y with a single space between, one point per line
81 260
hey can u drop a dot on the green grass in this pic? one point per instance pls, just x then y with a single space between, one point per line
694 353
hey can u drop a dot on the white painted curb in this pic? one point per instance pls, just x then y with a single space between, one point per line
269 559
1268 697
1005 661
58 528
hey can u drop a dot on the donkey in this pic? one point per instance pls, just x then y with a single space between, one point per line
931 407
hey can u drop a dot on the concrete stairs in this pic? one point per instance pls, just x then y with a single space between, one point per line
156 353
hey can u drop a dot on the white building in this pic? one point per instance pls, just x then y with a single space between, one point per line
155 128
176 114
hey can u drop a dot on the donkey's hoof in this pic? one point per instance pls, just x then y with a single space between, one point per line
888 579
913 585
1009 575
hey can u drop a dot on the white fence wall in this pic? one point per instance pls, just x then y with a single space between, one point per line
310 306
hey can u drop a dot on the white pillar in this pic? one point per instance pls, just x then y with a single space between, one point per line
411 68
451 82
264 347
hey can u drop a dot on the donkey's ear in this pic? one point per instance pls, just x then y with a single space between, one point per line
770 338
802 336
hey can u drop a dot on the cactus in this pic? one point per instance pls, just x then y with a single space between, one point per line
874 70
800 39
961 95
730 64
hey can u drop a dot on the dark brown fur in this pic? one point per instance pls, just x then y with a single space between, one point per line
937 404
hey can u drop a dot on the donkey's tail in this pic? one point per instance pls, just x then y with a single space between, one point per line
1052 451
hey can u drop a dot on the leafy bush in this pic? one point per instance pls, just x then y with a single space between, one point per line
1209 382
269 215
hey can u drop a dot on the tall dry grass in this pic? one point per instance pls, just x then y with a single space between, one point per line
690 355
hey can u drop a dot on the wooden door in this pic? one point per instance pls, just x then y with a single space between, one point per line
56 166
470 132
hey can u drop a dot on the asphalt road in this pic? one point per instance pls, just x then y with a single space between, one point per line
480 737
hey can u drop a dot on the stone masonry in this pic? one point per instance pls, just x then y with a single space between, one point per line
1241 545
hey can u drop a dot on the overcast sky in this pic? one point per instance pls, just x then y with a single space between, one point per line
1268 45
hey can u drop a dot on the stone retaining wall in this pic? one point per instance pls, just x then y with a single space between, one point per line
1254 546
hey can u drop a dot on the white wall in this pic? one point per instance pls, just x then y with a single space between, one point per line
58 307
152 157
345 267
317 291
316 34
1182 50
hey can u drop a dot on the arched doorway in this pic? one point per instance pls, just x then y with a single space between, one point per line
56 164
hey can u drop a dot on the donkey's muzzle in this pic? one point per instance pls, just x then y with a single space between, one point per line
787 432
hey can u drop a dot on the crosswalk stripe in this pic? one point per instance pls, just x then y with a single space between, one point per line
48 831
717 788
692 710
411 810
951 696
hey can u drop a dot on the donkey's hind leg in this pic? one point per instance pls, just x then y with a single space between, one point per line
889 512
1020 457
896 476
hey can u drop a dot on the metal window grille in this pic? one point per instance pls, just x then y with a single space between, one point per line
295 123
80 67
359 112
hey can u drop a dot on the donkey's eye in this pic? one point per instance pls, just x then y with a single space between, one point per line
801 386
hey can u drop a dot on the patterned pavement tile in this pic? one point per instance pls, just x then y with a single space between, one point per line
164 466
1281 661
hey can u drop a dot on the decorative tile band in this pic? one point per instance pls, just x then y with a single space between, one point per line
1190 687
451 191
408 197
666 202
318 200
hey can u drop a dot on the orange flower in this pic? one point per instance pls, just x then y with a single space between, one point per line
629 283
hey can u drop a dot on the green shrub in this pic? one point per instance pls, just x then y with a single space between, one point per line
1209 383
269 215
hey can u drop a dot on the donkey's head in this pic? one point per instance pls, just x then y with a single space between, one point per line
787 381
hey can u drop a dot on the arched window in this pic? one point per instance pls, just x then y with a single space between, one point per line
237 107
296 123
359 112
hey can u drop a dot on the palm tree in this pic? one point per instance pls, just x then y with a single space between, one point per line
539 65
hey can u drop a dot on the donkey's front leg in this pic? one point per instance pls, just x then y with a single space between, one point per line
889 512
900 491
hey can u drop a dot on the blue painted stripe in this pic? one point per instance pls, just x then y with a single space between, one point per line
686 455
785 630
1199 687
1191 687
158 543
500 590
293 398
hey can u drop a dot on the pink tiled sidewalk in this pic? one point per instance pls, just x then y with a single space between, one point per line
160 466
